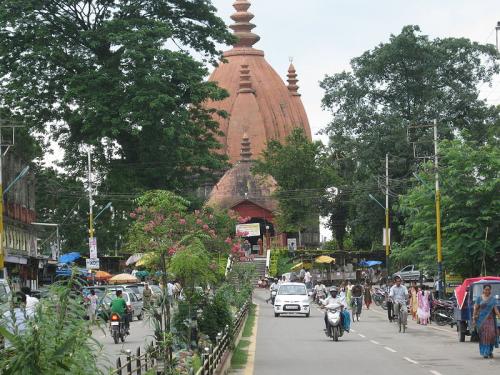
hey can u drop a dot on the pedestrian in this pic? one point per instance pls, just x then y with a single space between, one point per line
485 317
308 279
357 301
368 295
348 293
436 289
31 302
15 319
390 305
147 293
92 305
413 301
424 311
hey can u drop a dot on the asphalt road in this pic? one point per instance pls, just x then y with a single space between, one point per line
298 346
141 335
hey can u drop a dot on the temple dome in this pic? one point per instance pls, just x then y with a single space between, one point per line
260 104
239 184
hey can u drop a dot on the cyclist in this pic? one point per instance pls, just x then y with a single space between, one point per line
399 295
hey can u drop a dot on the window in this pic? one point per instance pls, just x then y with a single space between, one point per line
287 290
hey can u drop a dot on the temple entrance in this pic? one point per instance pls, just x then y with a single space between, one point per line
262 242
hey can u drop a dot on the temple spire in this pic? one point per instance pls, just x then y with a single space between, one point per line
245 80
292 81
242 27
246 151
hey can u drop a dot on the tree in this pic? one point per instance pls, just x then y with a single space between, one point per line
300 168
470 181
410 80
116 76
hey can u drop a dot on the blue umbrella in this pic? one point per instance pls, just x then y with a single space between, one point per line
69 257
370 263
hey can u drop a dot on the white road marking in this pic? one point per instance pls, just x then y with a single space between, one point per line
434 372
360 335
374 342
390 349
411 360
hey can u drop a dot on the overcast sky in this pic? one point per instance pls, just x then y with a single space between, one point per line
324 35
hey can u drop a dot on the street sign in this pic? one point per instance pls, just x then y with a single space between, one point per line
92 264
93 247
383 236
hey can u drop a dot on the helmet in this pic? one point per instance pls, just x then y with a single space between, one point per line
333 289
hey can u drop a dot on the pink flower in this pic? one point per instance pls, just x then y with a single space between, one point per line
205 226
199 221
172 251
133 215
228 240
235 248
241 234
212 233
182 221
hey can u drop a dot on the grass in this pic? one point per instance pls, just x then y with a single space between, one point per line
240 355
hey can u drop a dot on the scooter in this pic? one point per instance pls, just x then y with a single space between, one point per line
333 314
273 296
117 328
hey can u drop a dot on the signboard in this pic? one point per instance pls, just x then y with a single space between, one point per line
383 236
452 281
251 230
292 244
92 264
93 247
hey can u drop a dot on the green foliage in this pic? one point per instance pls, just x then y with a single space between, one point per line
216 315
299 167
410 80
117 75
280 262
57 340
470 183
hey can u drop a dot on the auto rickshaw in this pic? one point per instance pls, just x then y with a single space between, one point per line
466 295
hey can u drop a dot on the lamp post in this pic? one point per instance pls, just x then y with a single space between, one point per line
58 241
387 244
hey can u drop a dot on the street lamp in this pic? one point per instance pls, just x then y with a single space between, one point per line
387 245
104 209
58 241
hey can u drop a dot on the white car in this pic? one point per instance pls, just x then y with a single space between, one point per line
292 298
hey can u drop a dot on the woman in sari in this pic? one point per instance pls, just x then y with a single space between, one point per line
413 301
423 311
368 295
485 310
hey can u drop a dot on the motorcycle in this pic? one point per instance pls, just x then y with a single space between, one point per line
333 314
117 328
319 296
273 296
378 297
442 312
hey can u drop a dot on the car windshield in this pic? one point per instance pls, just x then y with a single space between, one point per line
155 288
112 297
134 288
478 289
288 290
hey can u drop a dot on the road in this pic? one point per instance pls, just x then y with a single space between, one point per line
298 346
141 335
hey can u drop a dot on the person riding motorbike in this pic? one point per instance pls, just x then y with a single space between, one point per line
273 288
398 295
119 306
334 298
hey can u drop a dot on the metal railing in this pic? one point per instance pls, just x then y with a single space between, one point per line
137 364
212 357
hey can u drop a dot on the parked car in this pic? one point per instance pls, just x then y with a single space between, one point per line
410 273
466 294
103 310
292 298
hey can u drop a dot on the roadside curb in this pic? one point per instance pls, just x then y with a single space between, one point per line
226 360
249 369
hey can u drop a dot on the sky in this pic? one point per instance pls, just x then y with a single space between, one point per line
323 36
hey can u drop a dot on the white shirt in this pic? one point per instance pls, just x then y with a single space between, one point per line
15 322
274 286
31 303
307 277
398 294
337 300
170 289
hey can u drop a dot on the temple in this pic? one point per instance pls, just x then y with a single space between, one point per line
261 107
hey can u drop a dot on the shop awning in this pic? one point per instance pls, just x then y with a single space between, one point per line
16 259
324 259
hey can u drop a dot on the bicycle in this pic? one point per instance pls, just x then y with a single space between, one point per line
402 314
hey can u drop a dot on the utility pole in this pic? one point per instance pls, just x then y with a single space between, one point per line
387 238
92 241
497 29
438 214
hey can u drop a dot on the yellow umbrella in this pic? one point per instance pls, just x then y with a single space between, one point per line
298 266
123 278
325 259
145 259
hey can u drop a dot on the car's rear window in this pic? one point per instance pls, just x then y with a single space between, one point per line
292 290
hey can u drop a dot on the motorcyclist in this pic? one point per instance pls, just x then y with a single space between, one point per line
274 287
119 306
334 298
